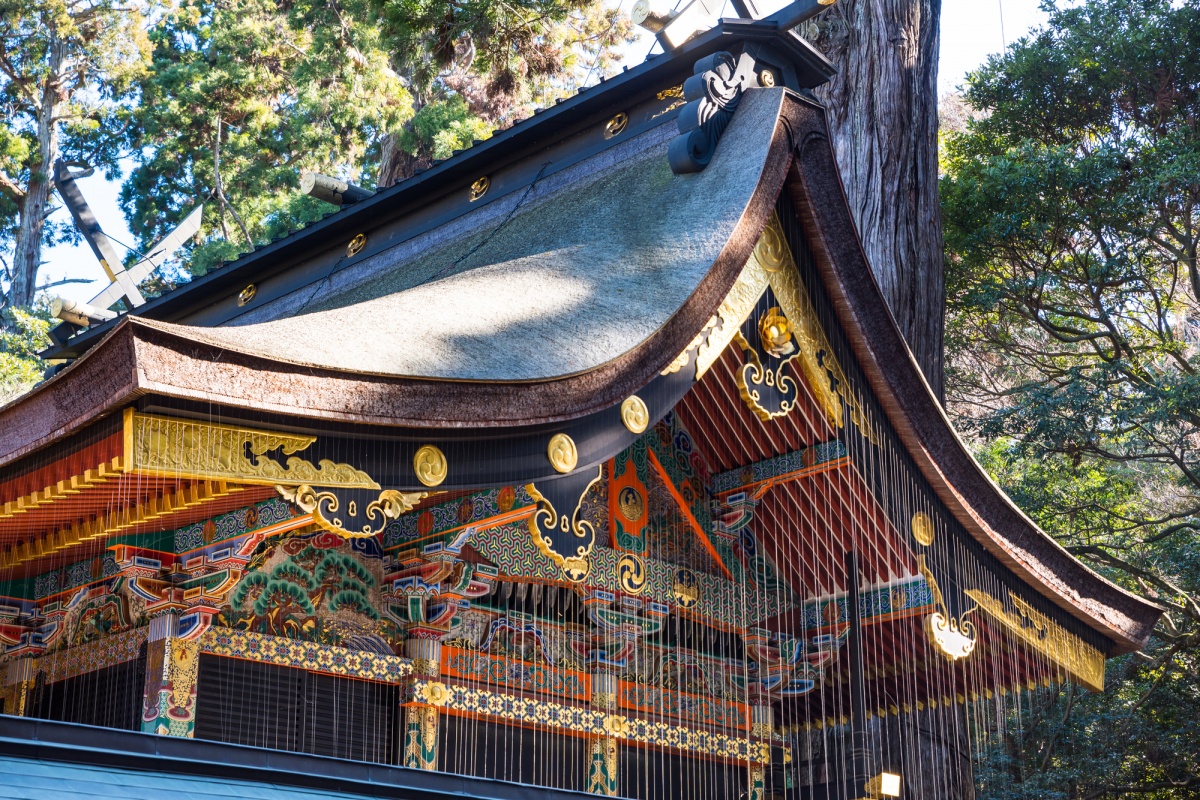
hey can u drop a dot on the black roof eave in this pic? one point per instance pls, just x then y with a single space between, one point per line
542 129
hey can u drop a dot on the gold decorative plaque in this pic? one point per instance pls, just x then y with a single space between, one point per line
631 504
185 448
562 453
631 572
922 528
634 414
247 294
430 465
685 588
356 245
1077 658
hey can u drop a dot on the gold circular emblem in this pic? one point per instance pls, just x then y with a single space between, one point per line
479 188
562 453
430 465
631 572
634 414
630 501
616 126
247 294
356 245
685 588
922 528
766 78
771 250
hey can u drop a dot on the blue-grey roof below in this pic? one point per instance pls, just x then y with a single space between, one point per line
547 283
42 780
42 760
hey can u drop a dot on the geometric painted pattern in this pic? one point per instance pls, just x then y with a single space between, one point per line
108 651
593 722
878 604
285 652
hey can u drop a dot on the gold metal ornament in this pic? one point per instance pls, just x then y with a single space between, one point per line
954 638
247 294
771 251
565 537
634 414
324 505
922 528
165 446
685 588
616 126
775 333
1075 657
356 245
631 572
479 188
766 78
819 364
631 504
435 693
562 453
755 379
430 465
576 568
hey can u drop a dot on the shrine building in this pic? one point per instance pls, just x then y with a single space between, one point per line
589 460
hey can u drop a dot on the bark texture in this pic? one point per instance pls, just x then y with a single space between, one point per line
34 200
882 108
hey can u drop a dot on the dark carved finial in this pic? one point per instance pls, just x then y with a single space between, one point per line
713 94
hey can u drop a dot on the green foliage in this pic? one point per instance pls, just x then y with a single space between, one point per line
243 95
342 568
293 573
66 69
1071 206
22 335
440 128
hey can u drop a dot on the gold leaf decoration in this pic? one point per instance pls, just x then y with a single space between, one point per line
324 506
430 465
182 448
1075 657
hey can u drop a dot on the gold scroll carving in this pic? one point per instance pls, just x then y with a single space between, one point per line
185 448
1077 658
772 264
817 361
324 507
720 329
954 638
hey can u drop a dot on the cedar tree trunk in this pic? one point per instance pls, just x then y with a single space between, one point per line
882 108
33 203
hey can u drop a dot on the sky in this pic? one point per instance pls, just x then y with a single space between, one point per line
971 31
